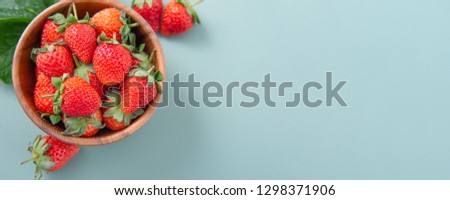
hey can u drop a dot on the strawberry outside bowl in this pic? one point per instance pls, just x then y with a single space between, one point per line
24 79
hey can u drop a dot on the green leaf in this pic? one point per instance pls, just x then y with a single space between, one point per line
71 19
35 6
56 82
10 32
150 80
118 116
76 126
139 3
55 119
132 39
159 76
125 31
138 113
140 56
82 73
195 18
158 86
15 13
110 112
51 48
58 18
141 47
86 17
62 28
47 164
140 73
144 65
127 120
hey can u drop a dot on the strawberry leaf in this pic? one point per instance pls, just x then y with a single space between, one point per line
81 70
10 32
159 76
56 82
158 86
14 18
16 13
55 119
58 18
140 56
150 80
141 47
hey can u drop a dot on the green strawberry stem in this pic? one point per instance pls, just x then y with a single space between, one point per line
133 25
69 11
33 157
47 96
194 4
75 11
151 69
77 62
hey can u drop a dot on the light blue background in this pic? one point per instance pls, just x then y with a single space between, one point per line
393 53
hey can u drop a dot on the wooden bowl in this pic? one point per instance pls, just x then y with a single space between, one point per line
23 72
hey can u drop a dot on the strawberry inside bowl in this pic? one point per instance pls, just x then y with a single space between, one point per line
74 101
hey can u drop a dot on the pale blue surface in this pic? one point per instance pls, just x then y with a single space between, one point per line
393 53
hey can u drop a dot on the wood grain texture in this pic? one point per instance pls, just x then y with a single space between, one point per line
24 70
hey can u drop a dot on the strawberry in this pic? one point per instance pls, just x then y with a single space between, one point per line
49 33
50 154
87 73
113 115
146 78
108 21
83 126
75 97
112 123
79 35
179 17
53 60
43 88
111 62
150 10
82 40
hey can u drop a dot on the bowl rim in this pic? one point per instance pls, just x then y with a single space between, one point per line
150 38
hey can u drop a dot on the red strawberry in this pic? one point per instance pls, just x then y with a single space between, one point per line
80 36
83 126
179 17
111 63
113 115
75 97
150 10
43 89
50 34
53 60
82 40
87 73
111 123
50 154
109 22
